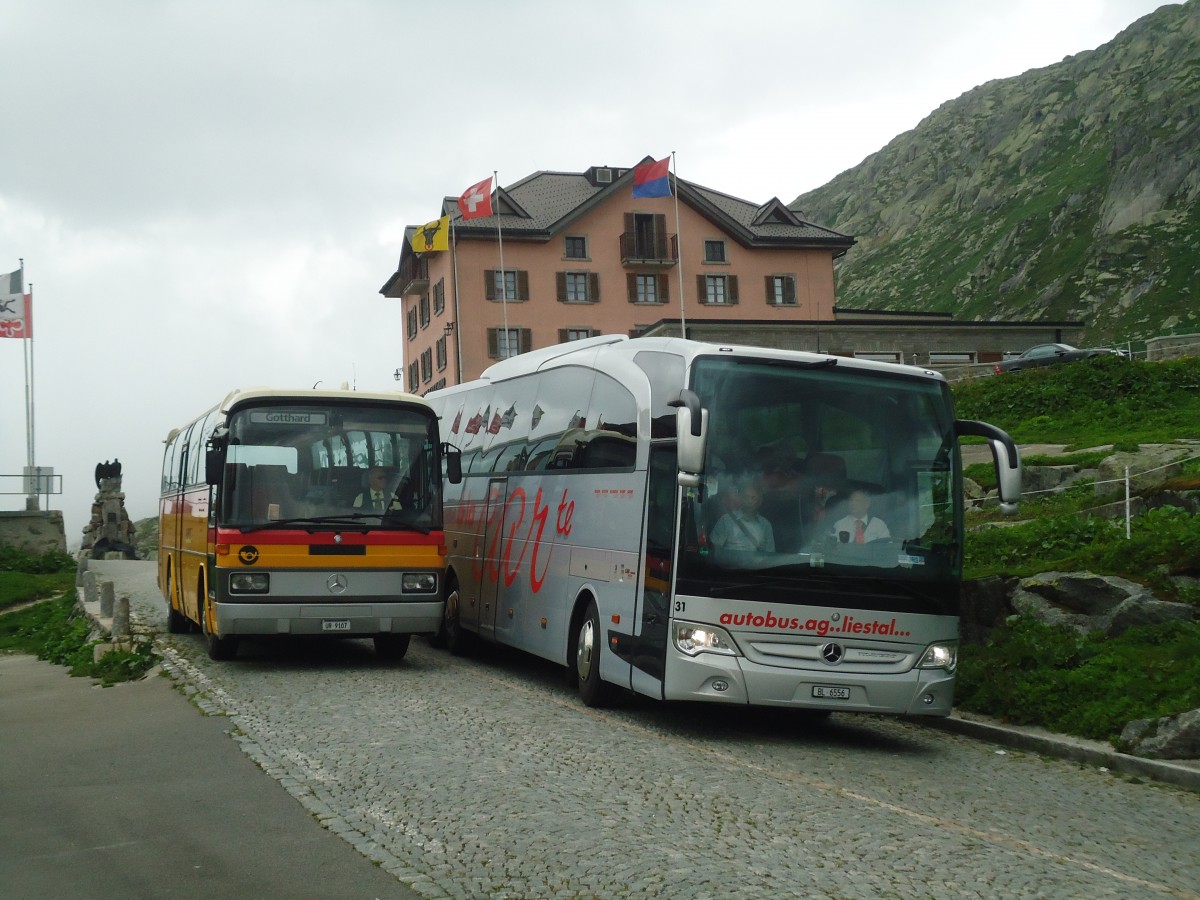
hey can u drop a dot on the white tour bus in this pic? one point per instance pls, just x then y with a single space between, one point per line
607 520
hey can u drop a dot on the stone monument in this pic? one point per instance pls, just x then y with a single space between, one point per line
110 533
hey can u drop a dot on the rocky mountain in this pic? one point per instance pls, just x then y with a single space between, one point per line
1066 193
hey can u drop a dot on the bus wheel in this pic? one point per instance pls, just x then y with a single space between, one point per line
588 644
219 648
457 641
177 622
391 647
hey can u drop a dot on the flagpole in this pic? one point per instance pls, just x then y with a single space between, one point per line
503 278
31 496
457 317
679 246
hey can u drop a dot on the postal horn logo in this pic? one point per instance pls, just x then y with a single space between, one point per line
248 555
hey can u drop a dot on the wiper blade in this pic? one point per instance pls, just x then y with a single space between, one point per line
345 519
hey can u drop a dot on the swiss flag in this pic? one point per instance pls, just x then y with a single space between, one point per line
476 201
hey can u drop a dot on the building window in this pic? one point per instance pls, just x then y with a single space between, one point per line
575 334
509 284
424 310
439 297
441 353
575 248
577 287
891 356
412 323
427 365
647 288
717 290
781 290
951 357
714 251
506 342
414 378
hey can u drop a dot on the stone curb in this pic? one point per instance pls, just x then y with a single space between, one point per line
1181 773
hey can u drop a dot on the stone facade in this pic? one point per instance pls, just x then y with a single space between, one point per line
34 532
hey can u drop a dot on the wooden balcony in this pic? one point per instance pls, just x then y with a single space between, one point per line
655 250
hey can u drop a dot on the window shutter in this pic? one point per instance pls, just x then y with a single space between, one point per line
493 344
593 286
789 289
660 236
770 279
522 285
560 285
525 341
701 289
663 294
489 284
631 286
630 223
731 289
562 335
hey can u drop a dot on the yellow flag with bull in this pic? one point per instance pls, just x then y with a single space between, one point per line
432 236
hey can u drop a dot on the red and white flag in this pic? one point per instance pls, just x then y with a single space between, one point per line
476 201
15 318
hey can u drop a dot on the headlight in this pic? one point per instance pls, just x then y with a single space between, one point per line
418 583
940 656
697 639
249 583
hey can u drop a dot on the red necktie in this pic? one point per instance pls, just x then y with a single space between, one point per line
859 534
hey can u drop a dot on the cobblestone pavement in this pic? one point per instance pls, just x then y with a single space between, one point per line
487 778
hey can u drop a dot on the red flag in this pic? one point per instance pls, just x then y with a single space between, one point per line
476 201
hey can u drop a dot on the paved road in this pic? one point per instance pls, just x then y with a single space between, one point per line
128 792
487 778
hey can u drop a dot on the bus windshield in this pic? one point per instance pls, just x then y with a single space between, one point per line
330 465
823 485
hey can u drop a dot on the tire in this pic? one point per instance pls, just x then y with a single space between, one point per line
219 648
392 647
177 622
588 643
456 640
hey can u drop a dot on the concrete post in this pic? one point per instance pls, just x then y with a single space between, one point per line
107 593
120 625
80 569
90 593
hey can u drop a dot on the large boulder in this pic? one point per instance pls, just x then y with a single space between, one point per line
1148 467
1171 737
1090 602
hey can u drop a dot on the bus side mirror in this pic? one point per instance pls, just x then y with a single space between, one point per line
214 464
453 459
1005 457
691 428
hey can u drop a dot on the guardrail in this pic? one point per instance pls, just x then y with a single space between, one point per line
20 484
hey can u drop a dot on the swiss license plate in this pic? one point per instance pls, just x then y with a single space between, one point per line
831 693
335 624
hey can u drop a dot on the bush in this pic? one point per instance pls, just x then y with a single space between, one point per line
1089 686
14 560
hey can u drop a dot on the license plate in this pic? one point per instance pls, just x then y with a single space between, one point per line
335 625
831 693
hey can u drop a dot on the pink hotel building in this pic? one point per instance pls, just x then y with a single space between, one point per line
582 256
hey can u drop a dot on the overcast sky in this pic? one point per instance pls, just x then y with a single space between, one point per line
210 194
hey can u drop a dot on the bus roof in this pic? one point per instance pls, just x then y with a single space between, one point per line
596 348
239 396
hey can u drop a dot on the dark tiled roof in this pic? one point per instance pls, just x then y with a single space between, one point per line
550 201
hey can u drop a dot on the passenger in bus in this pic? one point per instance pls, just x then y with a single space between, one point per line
859 526
380 493
743 528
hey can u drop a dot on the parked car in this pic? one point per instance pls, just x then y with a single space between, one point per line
1050 354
